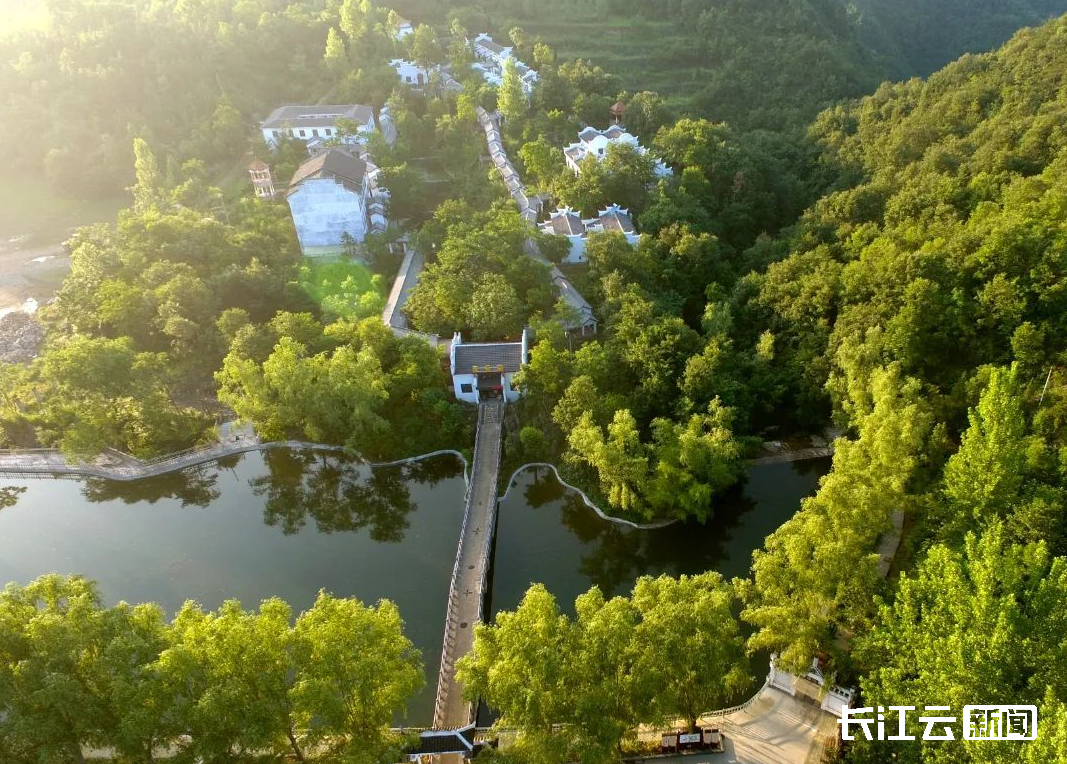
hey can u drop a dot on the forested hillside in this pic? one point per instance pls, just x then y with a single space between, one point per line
917 37
186 77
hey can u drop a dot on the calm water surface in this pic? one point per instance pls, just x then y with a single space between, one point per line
288 523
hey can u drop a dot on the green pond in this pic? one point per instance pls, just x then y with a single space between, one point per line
288 523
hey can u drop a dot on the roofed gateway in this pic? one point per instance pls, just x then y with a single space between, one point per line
484 370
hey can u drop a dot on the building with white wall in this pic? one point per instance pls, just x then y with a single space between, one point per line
332 194
566 222
403 29
594 143
262 180
317 123
494 57
482 370
411 73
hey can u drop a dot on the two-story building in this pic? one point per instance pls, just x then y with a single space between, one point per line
594 143
317 123
482 370
334 196
568 223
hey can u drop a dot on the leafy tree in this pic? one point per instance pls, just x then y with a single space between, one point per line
511 101
358 671
336 55
425 49
983 478
981 621
817 573
542 161
692 653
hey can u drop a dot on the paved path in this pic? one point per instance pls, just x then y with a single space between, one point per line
466 598
772 728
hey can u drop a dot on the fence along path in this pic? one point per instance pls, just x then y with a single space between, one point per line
466 598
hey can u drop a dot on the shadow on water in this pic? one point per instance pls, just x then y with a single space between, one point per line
546 534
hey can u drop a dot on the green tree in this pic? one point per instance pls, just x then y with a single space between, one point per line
981 621
425 50
336 55
357 672
983 478
149 188
817 574
542 161
691 657
510 100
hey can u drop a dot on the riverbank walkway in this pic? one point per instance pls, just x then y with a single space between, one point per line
466 598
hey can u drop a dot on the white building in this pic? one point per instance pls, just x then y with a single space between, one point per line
411 73
482 370
262 180
566 222
493 59
332 194
403 29
487 50
317 123
594 143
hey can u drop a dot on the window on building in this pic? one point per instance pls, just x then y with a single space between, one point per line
314 133
303 134
466 387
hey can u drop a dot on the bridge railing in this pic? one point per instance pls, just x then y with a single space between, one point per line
444 676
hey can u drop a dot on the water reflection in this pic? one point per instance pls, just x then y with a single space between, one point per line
194 487
547 534
9 495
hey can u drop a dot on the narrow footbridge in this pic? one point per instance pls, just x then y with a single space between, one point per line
466 597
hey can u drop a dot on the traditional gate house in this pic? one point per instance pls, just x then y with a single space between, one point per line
484 370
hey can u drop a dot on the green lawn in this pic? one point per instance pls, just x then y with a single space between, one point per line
633 49
342 288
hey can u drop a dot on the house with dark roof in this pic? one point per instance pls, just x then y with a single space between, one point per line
307 123
566 222
333 196
482 370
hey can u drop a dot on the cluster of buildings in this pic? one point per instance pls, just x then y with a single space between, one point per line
493 57
594 143
334 195
566 222
336 201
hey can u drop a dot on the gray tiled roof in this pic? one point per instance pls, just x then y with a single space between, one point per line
488 44
334 163
325 115
616 221
488 354
567 224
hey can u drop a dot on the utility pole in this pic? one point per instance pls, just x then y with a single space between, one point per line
1045 388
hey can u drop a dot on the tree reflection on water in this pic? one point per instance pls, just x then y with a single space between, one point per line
9 495
192 487
342 494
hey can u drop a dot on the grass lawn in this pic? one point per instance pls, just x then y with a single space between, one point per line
641 53
343 288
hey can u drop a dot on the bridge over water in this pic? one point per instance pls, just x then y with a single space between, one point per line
466 598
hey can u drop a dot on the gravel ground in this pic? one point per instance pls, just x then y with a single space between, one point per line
21 336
